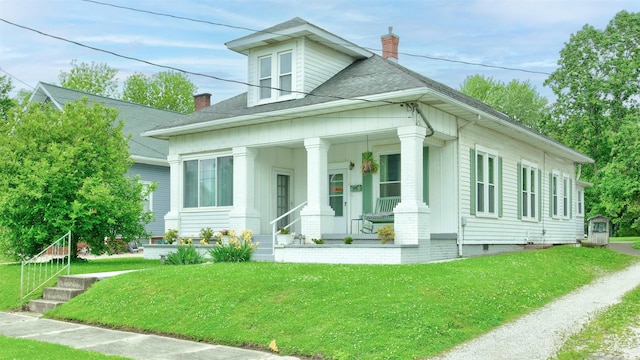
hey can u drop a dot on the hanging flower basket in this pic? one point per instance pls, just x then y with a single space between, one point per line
369 164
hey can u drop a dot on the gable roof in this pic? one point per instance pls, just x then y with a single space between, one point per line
136 118
367 82
296 28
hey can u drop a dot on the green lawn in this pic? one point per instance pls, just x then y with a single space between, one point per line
11 348
10 279
625 239
340 311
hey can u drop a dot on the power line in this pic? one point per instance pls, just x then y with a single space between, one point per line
182 70
15 77
349 45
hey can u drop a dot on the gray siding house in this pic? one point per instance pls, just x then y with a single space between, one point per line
149 154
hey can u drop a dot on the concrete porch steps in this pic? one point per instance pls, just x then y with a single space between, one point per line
67 287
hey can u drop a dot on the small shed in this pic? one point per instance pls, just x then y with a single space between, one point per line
599 230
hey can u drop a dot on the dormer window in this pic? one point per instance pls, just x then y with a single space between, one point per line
275 76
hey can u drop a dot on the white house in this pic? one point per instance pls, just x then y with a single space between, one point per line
470 180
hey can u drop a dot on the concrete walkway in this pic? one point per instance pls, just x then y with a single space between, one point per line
121 343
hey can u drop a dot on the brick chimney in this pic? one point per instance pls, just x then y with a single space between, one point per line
201 101
390 45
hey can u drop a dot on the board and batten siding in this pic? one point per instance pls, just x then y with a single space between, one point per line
160 206
508 228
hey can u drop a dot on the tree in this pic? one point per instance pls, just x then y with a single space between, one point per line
597 84
618 183
95 78
6 103
164 90
518 99
65 170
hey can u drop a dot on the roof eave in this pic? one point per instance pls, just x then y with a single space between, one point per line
243 45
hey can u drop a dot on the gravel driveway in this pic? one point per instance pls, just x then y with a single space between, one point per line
540 334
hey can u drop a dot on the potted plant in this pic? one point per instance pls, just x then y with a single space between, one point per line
369 163
385 234
348 240
171 236
284 236
206 234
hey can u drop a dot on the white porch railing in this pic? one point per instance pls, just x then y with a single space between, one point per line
274 225
43 267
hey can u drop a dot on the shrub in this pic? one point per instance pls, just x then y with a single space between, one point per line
171 236
185 255
385 233
318 241
237 249
348 240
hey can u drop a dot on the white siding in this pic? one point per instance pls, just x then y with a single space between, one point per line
508 228
320 63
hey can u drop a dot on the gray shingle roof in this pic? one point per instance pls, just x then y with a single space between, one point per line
365 77
137 119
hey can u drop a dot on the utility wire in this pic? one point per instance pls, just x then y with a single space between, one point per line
182 70
348 45
15 77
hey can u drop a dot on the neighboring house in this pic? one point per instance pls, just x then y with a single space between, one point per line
470 179
149 155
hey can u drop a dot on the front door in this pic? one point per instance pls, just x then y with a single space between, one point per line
283 198
338 200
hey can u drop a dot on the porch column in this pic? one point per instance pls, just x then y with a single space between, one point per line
244 215
412 215
317 215
172 218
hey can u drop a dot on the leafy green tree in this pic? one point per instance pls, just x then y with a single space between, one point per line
597 84
164 90
6 103
618 183
95 78
65 170
518 99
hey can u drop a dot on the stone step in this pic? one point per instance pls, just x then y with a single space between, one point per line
76 282
41 306
60 293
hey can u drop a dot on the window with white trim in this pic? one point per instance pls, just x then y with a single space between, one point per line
275 76
565 196
486 182
580 203
529 187
390 175
208 182
553 186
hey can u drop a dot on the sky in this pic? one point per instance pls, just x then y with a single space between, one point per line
516 34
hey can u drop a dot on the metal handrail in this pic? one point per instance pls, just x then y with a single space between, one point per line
274 224
44 266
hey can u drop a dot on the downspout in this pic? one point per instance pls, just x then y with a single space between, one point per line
416 107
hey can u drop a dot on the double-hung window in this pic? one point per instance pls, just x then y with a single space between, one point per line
275 76
580 203
208 182
390 175
529 191
554 180
486 179
565 196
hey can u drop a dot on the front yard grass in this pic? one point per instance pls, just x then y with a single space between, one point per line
10 279
340 311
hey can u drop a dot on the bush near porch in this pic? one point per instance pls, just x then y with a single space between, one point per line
340 311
